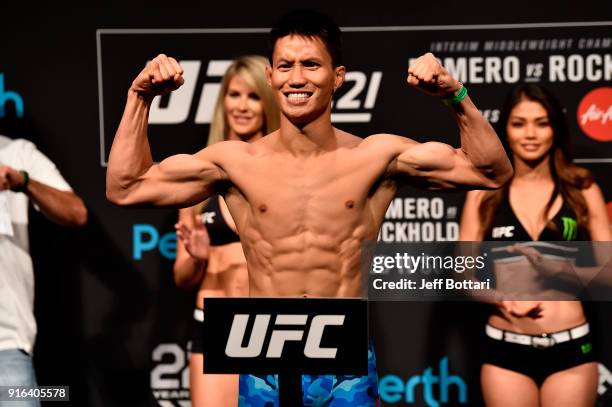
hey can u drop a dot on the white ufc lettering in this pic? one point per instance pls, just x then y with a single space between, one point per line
502 231
312 347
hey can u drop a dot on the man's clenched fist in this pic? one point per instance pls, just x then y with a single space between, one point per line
161 76
428 75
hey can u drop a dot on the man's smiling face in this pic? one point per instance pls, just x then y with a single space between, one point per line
303 77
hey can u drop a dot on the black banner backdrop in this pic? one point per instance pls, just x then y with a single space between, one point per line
111 323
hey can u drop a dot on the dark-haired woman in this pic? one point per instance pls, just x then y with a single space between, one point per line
538 353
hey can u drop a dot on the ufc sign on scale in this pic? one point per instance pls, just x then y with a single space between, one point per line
276 335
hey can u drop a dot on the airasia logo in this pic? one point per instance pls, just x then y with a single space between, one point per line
595 114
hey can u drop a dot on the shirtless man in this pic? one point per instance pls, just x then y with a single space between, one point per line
306 196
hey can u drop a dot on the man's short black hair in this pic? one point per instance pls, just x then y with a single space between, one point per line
308 23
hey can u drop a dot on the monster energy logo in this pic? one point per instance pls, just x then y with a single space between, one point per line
570 228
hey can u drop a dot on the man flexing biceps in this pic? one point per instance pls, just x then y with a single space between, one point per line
306 196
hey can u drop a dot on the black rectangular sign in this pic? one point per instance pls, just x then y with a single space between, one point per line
279 335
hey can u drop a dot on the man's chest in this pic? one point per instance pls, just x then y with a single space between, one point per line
298 197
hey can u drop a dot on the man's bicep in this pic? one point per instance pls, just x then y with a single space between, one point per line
440 166
183 180
427 157
178 181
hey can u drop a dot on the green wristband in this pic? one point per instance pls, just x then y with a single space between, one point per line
457 98
24 186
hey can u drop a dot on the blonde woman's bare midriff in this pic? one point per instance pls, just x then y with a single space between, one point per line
226 273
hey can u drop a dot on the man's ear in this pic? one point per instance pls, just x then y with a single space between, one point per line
269 74
340 72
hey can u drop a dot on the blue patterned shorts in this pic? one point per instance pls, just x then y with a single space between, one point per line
317 390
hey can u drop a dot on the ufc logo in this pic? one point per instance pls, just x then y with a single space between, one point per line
312 346
502 231
208 218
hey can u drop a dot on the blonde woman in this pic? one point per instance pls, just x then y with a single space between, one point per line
208 248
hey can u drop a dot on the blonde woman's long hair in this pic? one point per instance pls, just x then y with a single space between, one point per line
251 68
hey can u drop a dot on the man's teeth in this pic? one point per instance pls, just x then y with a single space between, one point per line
298 96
